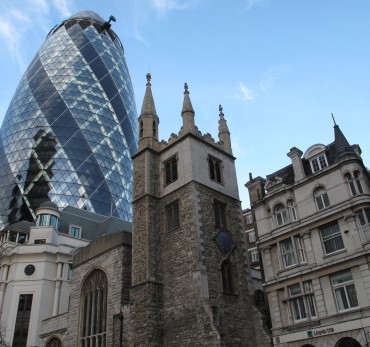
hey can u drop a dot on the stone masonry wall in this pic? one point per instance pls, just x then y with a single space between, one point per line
234 311
116 265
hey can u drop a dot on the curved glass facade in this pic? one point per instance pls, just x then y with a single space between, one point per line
71 127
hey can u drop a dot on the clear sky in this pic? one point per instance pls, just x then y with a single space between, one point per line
278 67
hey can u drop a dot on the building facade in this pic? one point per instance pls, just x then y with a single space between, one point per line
313 232
36 267
189 284
71 127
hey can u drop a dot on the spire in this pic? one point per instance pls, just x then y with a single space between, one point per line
187 106
222 124
342 147
148 107
223 131
148 120
187 112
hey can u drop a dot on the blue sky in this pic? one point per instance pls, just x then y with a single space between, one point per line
278 67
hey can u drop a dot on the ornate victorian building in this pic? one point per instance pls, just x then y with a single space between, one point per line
313 229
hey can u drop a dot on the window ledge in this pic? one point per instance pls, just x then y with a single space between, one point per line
167 184
230 294
291 267
174 229
344 250
222 183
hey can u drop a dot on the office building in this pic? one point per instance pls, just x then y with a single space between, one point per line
313 234
71 127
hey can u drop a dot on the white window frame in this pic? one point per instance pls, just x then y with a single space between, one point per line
251 236
332 238
281 216
343 284
357 178
302 303
321 198
76 227
291 206
249 218
254 255
296 251
363 218
319 162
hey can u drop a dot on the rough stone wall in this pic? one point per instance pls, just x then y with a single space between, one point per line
116 265
144 328
234 310
187 321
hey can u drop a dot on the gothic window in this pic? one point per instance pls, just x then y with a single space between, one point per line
220 214
321 198
141 129
227 275
94 310
215 168
170 167
173 216
54 342
154 129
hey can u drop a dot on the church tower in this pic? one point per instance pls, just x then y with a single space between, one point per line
189 277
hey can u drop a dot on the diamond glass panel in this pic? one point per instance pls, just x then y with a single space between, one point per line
71 127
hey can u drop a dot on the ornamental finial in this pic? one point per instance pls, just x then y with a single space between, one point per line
148 77
333 119
186 88
220 108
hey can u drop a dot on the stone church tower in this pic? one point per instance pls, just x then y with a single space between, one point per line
189 277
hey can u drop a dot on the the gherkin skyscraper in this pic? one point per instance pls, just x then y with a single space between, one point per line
70 129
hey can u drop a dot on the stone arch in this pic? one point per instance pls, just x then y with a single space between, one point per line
54 342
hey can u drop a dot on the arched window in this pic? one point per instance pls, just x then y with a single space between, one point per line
94 310
54 342
347 342
350 182
292 210
357 176
259 298
227 275
141 129
154 129
280 215
321 198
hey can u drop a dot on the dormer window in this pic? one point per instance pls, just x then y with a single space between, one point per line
75 231
317 158
319 163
